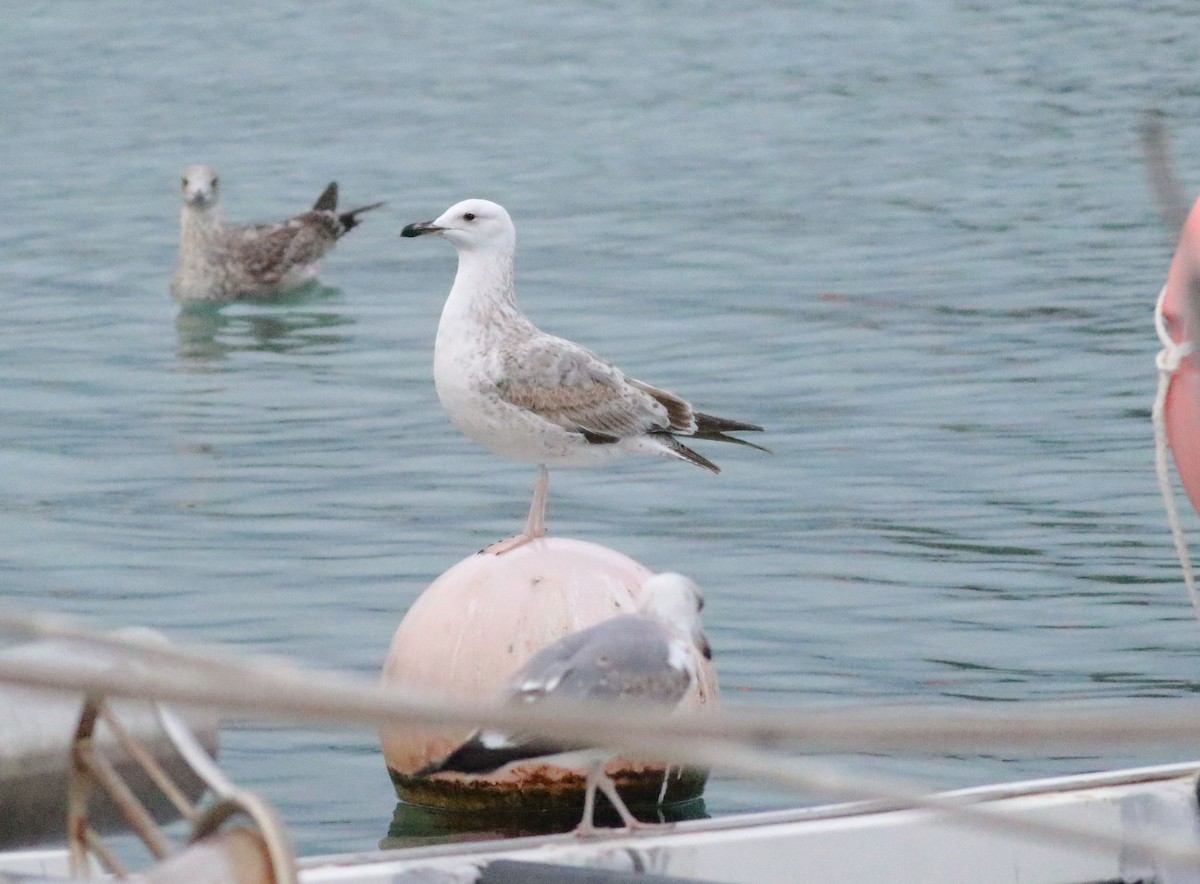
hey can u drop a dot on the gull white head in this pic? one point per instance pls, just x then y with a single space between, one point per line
199 187
472 226
675 600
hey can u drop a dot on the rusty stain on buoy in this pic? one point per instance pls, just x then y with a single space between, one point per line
479 622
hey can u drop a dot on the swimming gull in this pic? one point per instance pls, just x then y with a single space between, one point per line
647 658
535 397
221 262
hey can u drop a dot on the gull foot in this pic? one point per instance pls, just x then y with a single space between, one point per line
587 829
500 547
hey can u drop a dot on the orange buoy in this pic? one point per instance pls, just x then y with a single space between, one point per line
1178 326
475 626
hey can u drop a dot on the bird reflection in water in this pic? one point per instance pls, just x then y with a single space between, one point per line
211 332
414 825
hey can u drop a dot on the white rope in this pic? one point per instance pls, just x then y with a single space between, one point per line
743 742
265 690
1168 361
724 740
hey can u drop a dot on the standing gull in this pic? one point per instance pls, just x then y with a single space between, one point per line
222 262
647 658
535 397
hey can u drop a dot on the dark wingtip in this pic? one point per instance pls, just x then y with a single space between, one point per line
715 436
715 429
350 219
327 201
472 757
710 423
686 453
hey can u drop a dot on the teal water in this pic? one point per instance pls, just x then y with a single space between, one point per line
912 239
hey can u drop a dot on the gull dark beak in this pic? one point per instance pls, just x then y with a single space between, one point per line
420 228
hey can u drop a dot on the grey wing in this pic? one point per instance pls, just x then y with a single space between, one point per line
625 659
267 252
622 660
575 389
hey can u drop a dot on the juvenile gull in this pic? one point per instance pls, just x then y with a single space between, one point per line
535 397
221 262
647 658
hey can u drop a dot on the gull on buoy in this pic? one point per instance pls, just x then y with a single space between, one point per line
474 627
648 658
535 397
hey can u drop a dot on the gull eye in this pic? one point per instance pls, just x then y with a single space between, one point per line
470 216
214 181
183 182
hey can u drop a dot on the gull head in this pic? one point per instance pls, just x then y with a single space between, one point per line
199 187
472 225
676 600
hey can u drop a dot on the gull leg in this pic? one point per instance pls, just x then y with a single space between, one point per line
598 779
609 788
535 523
587 826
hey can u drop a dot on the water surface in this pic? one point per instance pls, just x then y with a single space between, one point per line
912 239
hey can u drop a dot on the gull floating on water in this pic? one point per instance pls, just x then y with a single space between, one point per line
532 396
648 658
222 262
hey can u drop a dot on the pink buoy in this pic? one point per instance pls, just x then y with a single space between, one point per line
1182 406
476 625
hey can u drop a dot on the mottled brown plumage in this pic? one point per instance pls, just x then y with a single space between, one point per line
223 262
535 397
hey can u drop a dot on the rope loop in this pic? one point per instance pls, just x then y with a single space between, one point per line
1168 361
